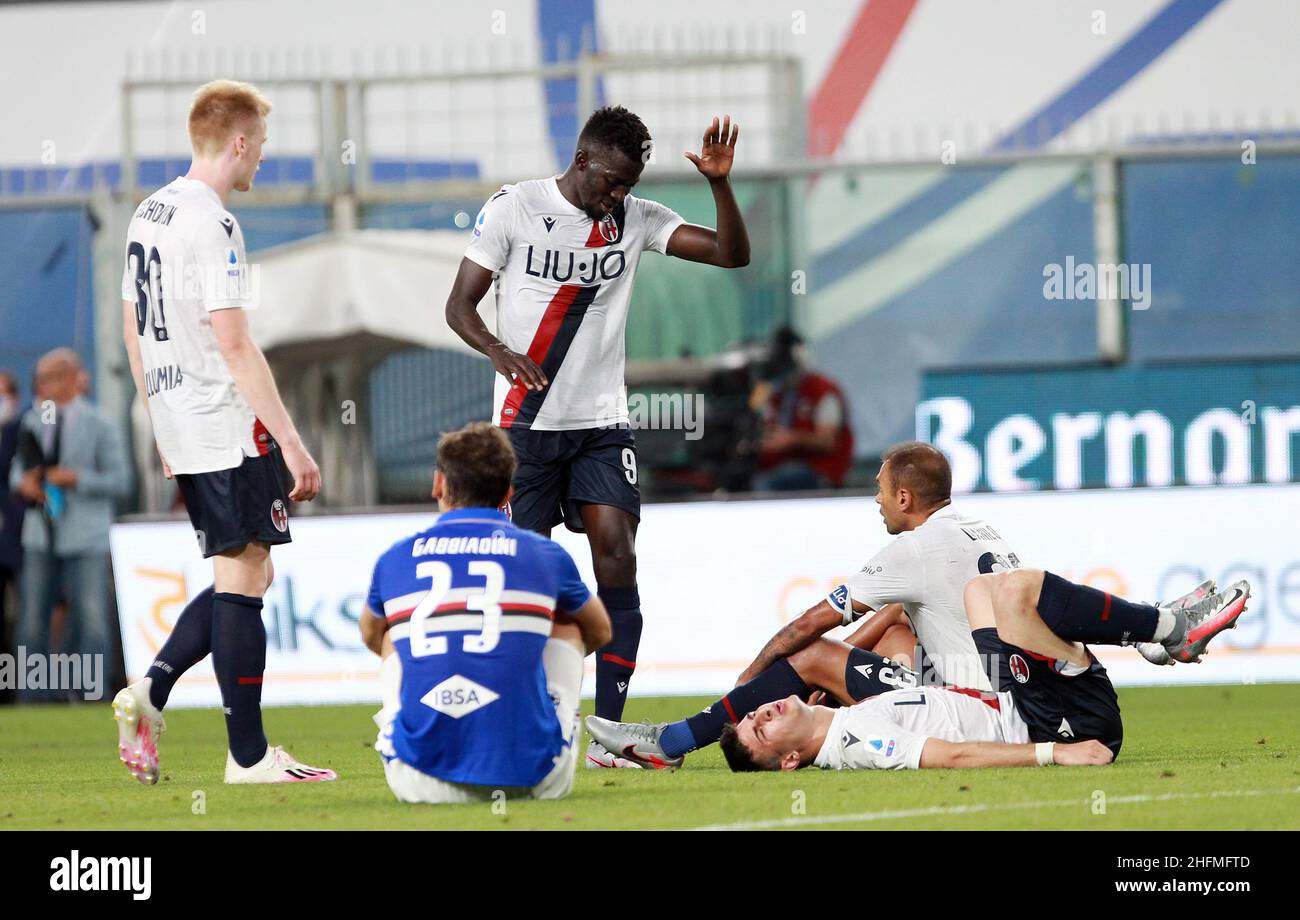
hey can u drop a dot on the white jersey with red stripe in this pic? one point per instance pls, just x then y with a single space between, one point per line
887 732
184 260
564 282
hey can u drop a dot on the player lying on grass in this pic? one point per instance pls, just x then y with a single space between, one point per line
1049 699
919 579
482 627
843 671
898 730
1041 700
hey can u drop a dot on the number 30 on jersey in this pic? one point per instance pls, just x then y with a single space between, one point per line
148 290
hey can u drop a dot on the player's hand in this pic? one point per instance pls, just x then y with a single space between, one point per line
305 472
717 151
30 488
1082 754
817 697
61 476
167 468
518 368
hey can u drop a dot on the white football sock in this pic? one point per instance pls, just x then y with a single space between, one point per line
390 682
1167 625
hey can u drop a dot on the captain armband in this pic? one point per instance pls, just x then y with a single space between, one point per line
842 602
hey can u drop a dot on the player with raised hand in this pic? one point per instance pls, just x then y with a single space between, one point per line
482 628
565 251
221 429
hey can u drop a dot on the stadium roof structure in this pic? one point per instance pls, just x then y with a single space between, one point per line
361 294
333 306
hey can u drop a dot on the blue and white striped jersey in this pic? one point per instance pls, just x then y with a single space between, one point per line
470 603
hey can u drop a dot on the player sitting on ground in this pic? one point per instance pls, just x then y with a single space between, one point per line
843 671
482 627
916 579
920 578
1040 699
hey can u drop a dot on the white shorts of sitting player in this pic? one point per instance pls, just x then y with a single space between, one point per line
563 665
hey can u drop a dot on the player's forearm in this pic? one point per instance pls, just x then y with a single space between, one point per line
968 754
733 238
594 636
132 342
873 629
592 620
791 638
373 630
783 644
252 375
464 319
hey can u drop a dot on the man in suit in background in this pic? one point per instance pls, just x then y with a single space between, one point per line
69 468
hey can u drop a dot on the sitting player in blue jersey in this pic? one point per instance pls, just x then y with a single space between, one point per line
482 628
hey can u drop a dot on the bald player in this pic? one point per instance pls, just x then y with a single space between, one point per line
915 583
916 589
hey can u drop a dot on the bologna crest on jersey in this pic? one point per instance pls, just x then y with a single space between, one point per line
1019 669
608 229
279 516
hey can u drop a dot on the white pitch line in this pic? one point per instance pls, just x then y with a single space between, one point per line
978 808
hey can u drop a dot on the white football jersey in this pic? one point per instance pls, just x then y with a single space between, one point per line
563 286
887 732
185 258
926 570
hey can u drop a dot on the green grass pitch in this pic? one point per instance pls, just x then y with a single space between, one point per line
1194 757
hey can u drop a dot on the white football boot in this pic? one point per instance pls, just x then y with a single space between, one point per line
278 766
139 725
